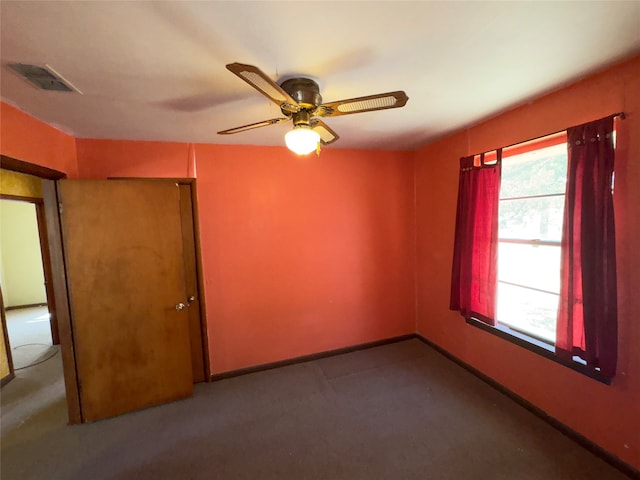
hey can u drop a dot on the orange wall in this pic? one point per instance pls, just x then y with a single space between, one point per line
25 138
608 415
300 255
117 158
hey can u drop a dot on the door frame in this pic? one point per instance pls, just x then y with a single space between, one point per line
65 329
49 179
45 174
202 303
5 334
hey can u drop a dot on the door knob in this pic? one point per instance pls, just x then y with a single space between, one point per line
190 300
180 306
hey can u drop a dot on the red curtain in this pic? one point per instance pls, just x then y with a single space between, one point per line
587 316
475 254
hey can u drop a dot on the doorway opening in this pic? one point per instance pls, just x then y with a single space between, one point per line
28 319
30 327
31 360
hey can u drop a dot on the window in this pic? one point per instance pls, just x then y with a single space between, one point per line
530 213
518 270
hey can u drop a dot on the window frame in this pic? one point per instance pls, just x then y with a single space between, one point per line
516 336
535 346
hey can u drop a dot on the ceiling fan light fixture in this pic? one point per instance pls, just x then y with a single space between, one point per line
302 140
300 101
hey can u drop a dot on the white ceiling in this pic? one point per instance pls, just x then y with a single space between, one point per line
156 70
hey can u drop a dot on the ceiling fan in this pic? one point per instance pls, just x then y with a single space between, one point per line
300 101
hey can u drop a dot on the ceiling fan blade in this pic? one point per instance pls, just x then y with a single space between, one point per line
261 82
251 126
327 135
369 103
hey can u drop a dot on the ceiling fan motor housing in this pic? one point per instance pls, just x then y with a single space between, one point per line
304 91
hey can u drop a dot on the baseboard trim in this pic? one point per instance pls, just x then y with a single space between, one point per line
7 378
30 305
308 358
557 424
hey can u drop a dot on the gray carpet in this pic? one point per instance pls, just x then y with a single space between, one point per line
399 411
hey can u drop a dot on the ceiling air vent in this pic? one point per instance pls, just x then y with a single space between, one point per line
43 78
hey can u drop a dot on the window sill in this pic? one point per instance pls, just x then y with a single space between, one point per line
536 346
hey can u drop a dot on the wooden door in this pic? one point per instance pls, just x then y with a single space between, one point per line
192 280
125 275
